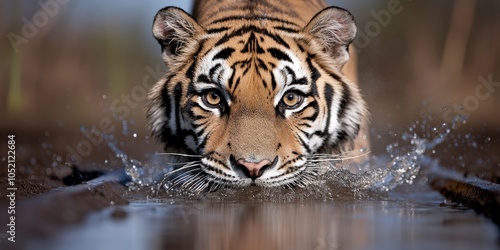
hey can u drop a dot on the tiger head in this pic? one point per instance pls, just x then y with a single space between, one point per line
256 99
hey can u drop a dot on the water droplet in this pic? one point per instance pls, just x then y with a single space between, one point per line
134 135
104 97
125 129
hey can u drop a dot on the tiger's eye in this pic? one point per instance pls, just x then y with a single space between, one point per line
212 98
292 99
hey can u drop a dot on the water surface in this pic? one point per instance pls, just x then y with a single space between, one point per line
413 221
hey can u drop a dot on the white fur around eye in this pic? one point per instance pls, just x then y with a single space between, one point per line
215 111
222 74
283 80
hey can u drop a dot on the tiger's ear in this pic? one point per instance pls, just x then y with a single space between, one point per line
175 30
334 29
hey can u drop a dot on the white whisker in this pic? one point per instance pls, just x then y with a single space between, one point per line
196 183
193 179
183 163
188 166
326 157
215 186
182 177
179 154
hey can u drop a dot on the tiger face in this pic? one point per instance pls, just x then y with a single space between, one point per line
256 99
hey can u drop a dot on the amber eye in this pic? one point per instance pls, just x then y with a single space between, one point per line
212 98
292 100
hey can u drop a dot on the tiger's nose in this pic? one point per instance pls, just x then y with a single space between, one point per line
253 170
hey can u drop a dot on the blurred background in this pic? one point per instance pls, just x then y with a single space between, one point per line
73 70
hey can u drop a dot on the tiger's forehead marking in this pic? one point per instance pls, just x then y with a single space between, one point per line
268 58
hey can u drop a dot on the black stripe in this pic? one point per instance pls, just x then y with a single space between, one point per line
262 64
328 98
264 83
273 82
315 75
304 125
300 47
290 72
344 101
224 54
342 136
242 62
319 133
215 169
231 79
203 78
335 76
213 69
178 96
289 162
236 83
249 66
251 28
190 71
308 150
278 54
313 117
165 99
192 67
300 81
217 30
252 45
289 30
308 135
165 131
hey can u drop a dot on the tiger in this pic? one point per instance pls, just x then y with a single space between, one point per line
260 91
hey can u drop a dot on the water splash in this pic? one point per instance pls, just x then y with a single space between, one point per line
382 173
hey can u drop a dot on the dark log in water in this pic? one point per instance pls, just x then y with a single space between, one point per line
46 214
481 195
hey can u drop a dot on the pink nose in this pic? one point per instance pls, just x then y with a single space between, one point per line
254 169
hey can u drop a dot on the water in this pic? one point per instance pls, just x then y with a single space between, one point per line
358 224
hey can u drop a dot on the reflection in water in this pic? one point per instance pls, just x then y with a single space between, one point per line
296 225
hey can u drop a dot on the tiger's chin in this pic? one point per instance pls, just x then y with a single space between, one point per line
265 183
298 178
